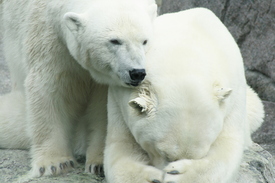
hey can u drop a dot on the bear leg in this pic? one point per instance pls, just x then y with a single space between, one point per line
96 120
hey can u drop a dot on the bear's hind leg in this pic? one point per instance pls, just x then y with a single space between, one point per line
255 110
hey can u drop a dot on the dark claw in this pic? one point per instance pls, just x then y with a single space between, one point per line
174 172
99 171
66 164
156 181
53 168
72 164
42 170
62 166
90 168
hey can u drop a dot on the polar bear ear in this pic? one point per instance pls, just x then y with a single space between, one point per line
222 93
73 21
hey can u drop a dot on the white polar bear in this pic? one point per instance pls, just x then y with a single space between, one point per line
53 48
191 118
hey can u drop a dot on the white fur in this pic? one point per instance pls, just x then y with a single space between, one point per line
53 48
190 121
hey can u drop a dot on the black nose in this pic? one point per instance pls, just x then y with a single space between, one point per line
137 75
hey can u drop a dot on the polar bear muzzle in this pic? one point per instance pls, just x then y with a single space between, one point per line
137 75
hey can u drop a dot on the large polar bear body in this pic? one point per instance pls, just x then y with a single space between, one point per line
53 48
191 118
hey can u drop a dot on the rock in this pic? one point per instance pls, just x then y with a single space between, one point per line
257 166
12 164
265 135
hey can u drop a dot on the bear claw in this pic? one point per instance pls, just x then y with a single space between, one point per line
97 169
53 168
72 164
42 170
66 165
174 172
156 181
63 165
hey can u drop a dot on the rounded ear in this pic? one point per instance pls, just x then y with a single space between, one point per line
222 93
73 21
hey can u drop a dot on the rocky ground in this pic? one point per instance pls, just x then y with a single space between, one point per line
250 22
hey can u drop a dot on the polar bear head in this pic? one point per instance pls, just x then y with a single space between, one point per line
183 124
109 39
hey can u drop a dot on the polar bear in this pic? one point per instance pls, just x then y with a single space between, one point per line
191 118
58 52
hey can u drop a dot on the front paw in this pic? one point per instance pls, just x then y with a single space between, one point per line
154 175
187 171
96 169
94 164
52 166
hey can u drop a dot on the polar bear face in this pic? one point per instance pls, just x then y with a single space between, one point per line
110 41
181 125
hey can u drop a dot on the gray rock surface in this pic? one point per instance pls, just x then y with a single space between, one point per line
265 134
257 166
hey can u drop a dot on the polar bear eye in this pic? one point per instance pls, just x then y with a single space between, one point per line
145 42
115 42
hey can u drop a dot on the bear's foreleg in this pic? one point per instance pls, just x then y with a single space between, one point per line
96 119
54 103
124 160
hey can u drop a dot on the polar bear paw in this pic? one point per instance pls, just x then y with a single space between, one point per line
153 175
52 167
96 169
187 171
